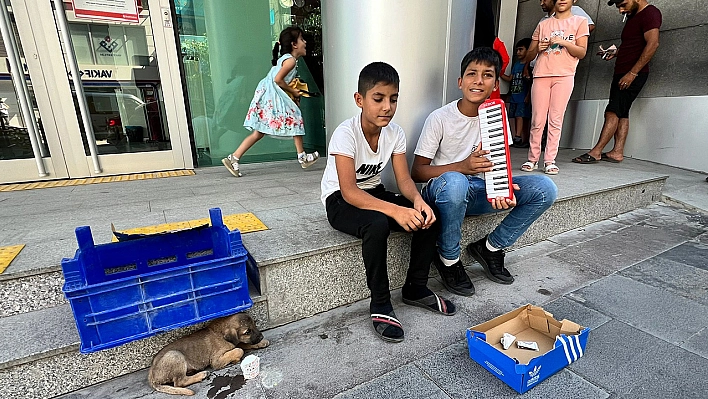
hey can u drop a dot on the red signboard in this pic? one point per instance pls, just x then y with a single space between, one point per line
112 10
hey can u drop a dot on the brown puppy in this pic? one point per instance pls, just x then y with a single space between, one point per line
215 345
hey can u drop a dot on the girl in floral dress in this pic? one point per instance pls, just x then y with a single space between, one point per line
272 111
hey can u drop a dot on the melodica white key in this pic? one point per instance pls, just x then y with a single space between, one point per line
495 138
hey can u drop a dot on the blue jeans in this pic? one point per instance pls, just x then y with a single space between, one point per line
454 196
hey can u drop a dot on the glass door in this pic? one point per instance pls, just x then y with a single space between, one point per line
134 115
133 96
27 143
227 48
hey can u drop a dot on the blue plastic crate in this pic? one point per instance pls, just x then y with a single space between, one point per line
120 292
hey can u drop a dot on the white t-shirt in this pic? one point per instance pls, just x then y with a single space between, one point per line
348 140
449 136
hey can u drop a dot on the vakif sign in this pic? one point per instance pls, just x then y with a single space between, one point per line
113 10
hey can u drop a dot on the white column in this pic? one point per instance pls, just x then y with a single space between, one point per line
424 40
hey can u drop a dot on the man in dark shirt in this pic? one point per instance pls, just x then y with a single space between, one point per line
640 39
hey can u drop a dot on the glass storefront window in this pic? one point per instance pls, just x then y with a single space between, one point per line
14 136
226 50
121 81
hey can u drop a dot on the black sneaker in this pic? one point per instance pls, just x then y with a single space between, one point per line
492 261
454 277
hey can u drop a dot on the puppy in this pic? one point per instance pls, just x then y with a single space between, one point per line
215 345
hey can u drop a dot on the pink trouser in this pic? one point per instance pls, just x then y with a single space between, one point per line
549 99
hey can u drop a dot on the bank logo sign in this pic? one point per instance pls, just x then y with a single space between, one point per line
108 44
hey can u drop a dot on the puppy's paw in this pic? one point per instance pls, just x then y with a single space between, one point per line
264 343
200 376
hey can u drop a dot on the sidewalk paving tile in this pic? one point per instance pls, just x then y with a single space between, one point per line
690 253
619 357
604 256
459 376
678 278
667 316
537 281
698 343
680 375
586 233
132 386
564 308
407 382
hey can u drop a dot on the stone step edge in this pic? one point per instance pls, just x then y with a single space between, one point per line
260 299
263 265
136 359
353 241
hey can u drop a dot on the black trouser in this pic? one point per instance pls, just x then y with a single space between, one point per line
373 228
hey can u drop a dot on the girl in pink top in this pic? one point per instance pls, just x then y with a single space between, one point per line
560 42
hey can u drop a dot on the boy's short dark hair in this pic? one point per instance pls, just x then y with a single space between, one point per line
375 73
525 42
483 55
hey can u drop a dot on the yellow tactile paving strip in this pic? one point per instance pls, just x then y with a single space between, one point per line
8 254
245 222
93 180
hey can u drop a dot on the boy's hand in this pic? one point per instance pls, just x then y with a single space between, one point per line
476 162
429 216
408 218
504 203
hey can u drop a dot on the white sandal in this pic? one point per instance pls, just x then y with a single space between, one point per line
309 159
529 166
551 169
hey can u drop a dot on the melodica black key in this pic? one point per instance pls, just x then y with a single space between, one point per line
495 139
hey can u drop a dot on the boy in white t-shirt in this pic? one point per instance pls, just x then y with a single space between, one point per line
449 158
358 204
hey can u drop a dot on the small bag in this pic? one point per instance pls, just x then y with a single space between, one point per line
301 86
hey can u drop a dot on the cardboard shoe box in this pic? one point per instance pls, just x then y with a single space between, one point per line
560 343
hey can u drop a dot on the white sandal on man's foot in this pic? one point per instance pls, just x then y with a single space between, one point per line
529 166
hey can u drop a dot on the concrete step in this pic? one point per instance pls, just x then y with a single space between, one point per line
334 277
299 232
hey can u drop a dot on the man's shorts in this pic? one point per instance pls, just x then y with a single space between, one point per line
519 110
621 100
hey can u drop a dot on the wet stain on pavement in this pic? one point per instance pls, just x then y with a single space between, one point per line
231 385
544 291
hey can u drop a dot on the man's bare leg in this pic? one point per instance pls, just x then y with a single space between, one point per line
617 151
609 128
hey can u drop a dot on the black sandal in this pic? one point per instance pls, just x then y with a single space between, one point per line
606 158
434 303
585 158
387 327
